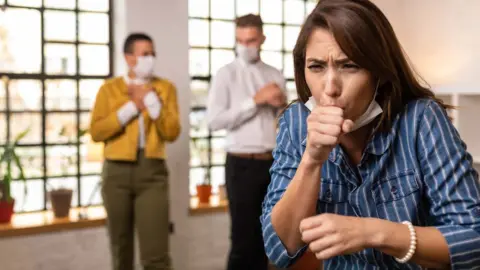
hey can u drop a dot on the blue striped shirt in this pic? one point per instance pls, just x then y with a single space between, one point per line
420 171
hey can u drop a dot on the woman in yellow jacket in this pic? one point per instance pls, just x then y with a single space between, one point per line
134 116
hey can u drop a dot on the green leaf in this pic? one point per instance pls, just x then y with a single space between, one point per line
21 176
21 135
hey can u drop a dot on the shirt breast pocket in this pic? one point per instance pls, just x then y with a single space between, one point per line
333 197
397 196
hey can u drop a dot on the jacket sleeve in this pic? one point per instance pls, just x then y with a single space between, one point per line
168 123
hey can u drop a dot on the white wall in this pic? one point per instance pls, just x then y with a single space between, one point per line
199 243
440 38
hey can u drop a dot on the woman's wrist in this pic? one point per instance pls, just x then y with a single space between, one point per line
389 237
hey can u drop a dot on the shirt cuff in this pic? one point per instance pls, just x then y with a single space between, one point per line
274 247
127 112
463 245
248 104
153 104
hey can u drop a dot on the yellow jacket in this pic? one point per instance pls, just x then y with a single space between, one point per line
121 143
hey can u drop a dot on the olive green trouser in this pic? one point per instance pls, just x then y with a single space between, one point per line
135 195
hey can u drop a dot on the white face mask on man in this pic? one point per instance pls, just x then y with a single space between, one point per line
144 67
372 111
248 54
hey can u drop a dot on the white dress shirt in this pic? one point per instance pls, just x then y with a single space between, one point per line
250 128
129 110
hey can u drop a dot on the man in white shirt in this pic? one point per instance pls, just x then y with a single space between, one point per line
245 98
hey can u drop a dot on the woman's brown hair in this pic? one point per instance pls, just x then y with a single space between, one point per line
367 38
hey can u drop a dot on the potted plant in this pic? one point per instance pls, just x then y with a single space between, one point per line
61 198
204 189
10 159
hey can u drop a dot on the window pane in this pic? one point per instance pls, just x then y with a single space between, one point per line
197 176
91 157
60 59
310 6
32 161
198 8
199 93
223 34
19 122
61 128
247 6
291 91
34 199
21 53
67 182
272 58
26 3
93 27
294 11
93 5
94 60
60 94
220 58
64 4
61 160
88 92
3 126
199 63
274 38
223 9
218 151
84 124
3 94
198 152
2 2
90 193
198 124
198 32
288 71
217 175
291 35
271 11
25 95
219 133
60 25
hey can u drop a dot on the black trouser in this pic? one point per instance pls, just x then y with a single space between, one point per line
247 181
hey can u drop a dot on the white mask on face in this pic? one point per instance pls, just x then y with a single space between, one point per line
144 67
248 54
372 111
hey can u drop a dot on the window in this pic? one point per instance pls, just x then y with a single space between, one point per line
54 55
212 41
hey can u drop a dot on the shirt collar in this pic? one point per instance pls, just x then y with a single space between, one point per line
243 63
135 80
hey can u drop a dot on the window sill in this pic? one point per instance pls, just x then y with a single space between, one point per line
215 206
45 222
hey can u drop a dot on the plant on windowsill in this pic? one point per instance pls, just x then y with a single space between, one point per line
8 160
204 188
61 197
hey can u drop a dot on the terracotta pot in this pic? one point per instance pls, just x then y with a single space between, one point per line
203 193
6 211
61 200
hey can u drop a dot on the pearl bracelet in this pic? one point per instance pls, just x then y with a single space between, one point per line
413 243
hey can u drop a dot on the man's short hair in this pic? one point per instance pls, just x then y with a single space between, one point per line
250 20
132 38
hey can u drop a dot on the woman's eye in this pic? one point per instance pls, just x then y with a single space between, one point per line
314 67
350 66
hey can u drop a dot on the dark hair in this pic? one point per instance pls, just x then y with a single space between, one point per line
250 20
132 38
367 38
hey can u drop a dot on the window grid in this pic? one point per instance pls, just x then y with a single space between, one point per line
43 76
197 108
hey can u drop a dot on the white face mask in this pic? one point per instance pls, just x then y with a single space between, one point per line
372 111
248 54
144 67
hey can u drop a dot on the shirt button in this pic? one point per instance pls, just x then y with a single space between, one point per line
394 190
328 194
